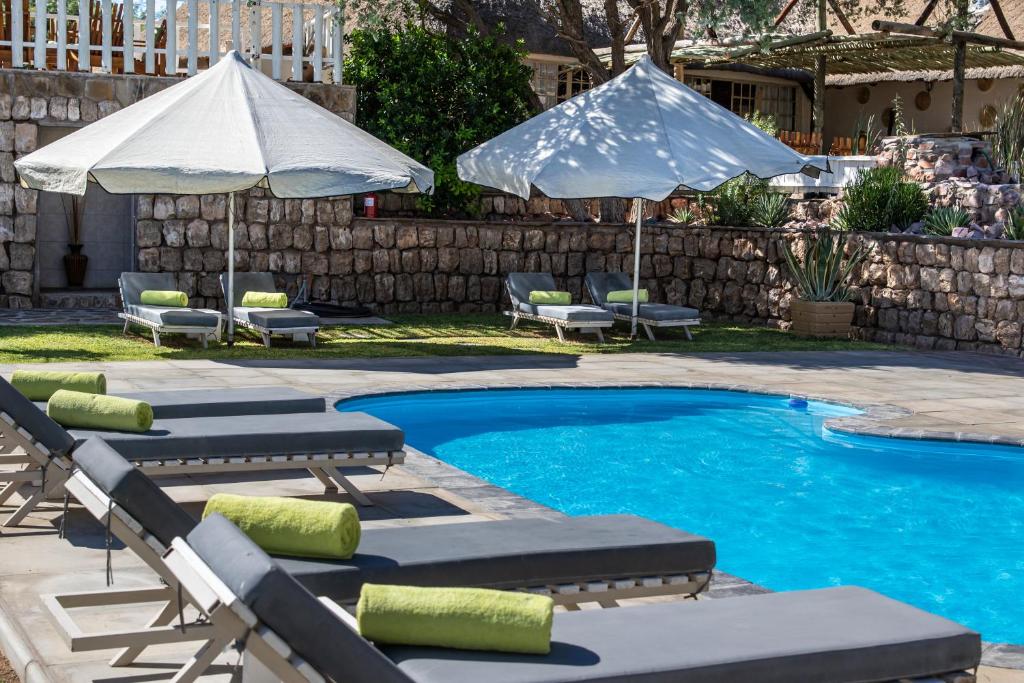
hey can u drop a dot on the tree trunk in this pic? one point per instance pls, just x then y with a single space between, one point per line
578 209
613 210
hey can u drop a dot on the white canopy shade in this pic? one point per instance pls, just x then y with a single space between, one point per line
227 129
642 134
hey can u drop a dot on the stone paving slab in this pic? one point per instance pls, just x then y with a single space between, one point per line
911 392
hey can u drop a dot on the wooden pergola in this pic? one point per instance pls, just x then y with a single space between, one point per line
890 47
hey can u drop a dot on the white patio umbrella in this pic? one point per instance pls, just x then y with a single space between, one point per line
639 136
225 130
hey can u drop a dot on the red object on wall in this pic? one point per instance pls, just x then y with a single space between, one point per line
370 205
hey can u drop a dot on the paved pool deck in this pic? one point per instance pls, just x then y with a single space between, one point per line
912 394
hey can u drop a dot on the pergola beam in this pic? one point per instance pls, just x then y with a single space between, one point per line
926 12
1003 24
785 42
841 16
952 36
785 11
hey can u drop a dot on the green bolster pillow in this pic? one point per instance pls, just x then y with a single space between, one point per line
156 297
286 526
625 296
95 411
39 385
461 618
550 298
265 300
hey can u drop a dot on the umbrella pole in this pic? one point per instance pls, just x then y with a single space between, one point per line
231 269
638 205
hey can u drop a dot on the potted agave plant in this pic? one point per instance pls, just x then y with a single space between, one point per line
75 262
823 307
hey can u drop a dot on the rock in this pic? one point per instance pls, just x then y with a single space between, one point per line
198 233
163 207
17 282
174 233
25 137
187 206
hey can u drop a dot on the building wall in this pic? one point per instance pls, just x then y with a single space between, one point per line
842 108
31 100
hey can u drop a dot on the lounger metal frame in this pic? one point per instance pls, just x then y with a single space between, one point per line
266 332
594 326
158 329
233 621
605 592
18 447
685 323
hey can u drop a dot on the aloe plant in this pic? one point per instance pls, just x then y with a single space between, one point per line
684 216
822 275
769 210
942 220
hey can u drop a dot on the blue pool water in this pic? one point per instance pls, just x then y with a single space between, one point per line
789 505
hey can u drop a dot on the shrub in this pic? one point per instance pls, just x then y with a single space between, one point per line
880 199
822 276
770 210
1014 229
942 220
433 98
1008 141
731 202
684 216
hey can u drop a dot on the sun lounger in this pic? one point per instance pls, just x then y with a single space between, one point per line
299 325
599 559
649 315
840 635
319 442
172 405
582 317
201 322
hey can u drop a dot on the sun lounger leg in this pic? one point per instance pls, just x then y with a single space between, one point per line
28 506
515 322
9 489
125 330
266 338
200 661
560 333
204 337
162 618
349 487
686 329
649 331
325 479
312 340
156 338
600 335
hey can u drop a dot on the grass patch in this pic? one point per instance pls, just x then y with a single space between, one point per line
410 335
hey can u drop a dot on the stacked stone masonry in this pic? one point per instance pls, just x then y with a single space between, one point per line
30 99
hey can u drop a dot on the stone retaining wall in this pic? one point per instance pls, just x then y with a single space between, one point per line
30 99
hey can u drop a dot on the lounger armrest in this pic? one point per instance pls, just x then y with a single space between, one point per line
343 615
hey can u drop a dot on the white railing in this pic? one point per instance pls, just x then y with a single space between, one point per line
178 43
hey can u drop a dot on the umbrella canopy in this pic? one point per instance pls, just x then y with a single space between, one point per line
641 135
227 129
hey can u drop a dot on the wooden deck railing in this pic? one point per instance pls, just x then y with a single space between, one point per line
191 36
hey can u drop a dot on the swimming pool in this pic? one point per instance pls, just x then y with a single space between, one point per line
789 504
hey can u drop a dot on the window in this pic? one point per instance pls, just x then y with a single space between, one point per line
545 82
701 85
572 80
556 83
744 98
780 102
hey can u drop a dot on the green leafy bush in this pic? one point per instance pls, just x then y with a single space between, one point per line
879 199
731 202
822 275
942 220
434 97
1014 229
1008 141
770 210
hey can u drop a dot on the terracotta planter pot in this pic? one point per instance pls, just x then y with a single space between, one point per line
75 264
821 318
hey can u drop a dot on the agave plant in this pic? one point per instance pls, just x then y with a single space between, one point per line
942 220
823 276
1008 141
769 210
684 215
1015 226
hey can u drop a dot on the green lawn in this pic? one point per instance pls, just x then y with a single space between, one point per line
410 335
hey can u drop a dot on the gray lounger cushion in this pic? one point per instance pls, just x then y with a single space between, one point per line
840 635
499 554
657 312
600 284
133 490
509 553
281 603
281 318
241 435
575 313
34 421
173 405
